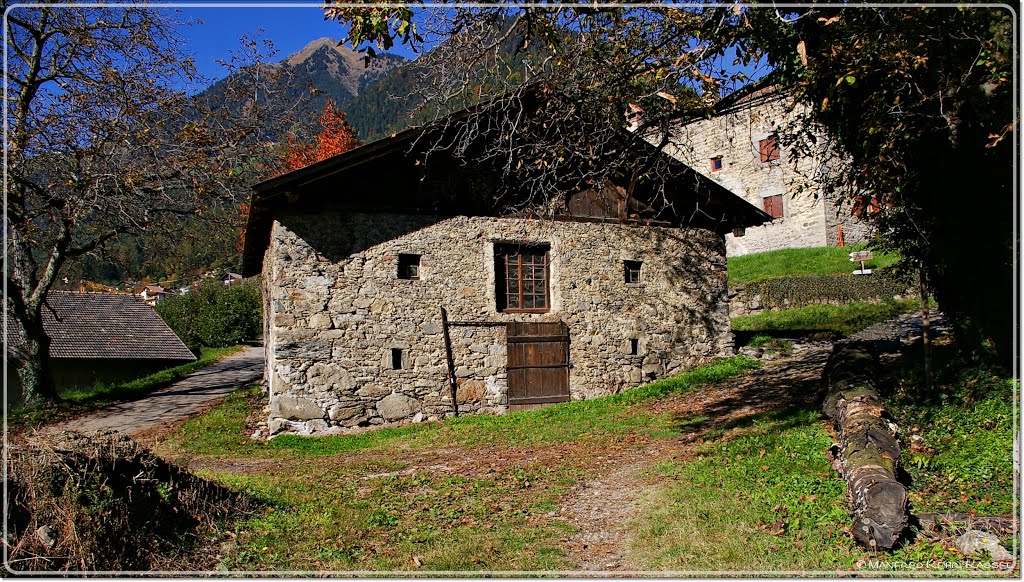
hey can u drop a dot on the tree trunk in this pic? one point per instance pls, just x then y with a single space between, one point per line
867 454
34 369
926 332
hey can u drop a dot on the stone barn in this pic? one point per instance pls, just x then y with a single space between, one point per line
397 287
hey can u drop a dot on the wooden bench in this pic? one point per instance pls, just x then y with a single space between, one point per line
862 257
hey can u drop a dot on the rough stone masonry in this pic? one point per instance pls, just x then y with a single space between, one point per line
349 343
812 213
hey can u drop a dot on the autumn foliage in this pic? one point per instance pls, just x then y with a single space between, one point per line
335 137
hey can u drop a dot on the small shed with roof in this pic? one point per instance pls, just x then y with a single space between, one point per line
103 337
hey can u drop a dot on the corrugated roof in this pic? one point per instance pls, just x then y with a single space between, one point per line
108 325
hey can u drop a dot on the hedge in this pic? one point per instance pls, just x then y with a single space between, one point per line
216 315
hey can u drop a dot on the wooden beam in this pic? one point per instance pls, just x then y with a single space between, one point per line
452 384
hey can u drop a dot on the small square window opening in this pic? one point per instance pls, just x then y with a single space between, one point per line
716 163
632 271
396 358
409 267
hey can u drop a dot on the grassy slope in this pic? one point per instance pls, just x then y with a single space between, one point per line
762 499
962 458
755 496
809 261
840 319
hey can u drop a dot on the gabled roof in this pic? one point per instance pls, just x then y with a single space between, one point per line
727 210
756 92
108 326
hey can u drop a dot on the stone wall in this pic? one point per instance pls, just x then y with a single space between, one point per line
336 310
802 290
810 216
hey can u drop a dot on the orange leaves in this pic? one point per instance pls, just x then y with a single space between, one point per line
335 137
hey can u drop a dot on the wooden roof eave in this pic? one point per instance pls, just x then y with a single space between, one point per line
741 213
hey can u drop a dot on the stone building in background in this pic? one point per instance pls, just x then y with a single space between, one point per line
740 148
360 253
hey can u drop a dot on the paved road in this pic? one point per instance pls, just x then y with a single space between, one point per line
175 403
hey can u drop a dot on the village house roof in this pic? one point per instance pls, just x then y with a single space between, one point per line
354 180
108 326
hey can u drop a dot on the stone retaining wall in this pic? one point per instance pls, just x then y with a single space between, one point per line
802 290
336 310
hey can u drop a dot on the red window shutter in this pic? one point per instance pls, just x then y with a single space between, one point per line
773 205
769 149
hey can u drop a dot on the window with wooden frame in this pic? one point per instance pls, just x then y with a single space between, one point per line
409 266
769 147
632 271
773 205
522 280
716 163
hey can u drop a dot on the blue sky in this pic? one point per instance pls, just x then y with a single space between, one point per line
216 31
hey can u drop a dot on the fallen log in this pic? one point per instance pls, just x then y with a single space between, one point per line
867 454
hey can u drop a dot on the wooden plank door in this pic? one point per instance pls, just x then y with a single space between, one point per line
538 364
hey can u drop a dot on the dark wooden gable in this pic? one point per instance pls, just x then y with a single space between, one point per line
395 174
608 203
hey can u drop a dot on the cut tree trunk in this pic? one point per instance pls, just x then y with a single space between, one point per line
867 454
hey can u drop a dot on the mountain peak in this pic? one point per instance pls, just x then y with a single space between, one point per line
313 46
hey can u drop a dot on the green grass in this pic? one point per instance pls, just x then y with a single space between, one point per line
358 502
963 458
838 319
335 518
771 343
221 431
763 501
757 496
762 498
809 261
82 400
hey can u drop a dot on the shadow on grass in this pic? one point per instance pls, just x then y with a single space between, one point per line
702 427
783 398
743 336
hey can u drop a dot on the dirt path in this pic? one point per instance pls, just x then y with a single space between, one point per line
602 507
173 404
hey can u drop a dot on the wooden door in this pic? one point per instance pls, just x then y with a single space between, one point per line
538 364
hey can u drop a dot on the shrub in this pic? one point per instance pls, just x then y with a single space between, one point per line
216 315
